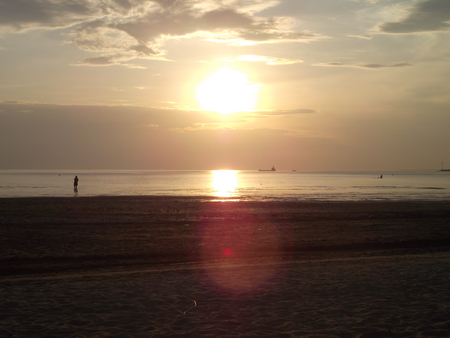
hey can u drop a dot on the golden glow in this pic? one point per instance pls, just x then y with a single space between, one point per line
227 91
224 183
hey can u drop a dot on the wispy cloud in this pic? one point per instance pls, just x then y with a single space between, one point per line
363 65
365 37
288 112
136 115
265 59
107 60
122 30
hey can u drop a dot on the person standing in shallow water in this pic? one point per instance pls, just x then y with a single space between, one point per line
75 183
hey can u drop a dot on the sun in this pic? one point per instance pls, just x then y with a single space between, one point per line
227 91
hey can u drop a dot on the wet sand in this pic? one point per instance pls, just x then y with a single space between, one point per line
171 267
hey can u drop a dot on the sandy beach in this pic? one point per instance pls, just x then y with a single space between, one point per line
193 267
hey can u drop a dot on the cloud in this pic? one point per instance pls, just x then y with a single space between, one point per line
98 115
224 18
76 136
253 36
377 65
107 60
288 112
430 15
24 14
81 117
260 58
365 37
365 65
122 30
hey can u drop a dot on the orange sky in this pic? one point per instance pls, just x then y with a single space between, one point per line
341 84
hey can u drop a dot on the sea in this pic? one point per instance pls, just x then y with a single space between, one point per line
234 185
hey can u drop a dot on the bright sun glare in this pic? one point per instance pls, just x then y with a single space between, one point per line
227 91
224 182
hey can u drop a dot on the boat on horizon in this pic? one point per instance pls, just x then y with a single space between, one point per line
442 168
273 169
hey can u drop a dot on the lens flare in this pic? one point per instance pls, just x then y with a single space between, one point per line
227 252
241 252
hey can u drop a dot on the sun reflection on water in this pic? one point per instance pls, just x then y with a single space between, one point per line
224 183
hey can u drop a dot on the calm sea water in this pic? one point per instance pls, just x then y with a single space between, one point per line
229 184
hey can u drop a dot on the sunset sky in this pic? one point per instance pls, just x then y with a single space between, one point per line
336 84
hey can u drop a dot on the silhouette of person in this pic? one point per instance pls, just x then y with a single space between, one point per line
75 183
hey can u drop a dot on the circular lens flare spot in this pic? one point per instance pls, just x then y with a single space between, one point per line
232 235
227 252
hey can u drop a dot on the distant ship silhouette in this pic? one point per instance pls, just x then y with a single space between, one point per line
442 168
273 169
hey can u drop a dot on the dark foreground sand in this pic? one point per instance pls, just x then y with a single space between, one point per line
171 267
